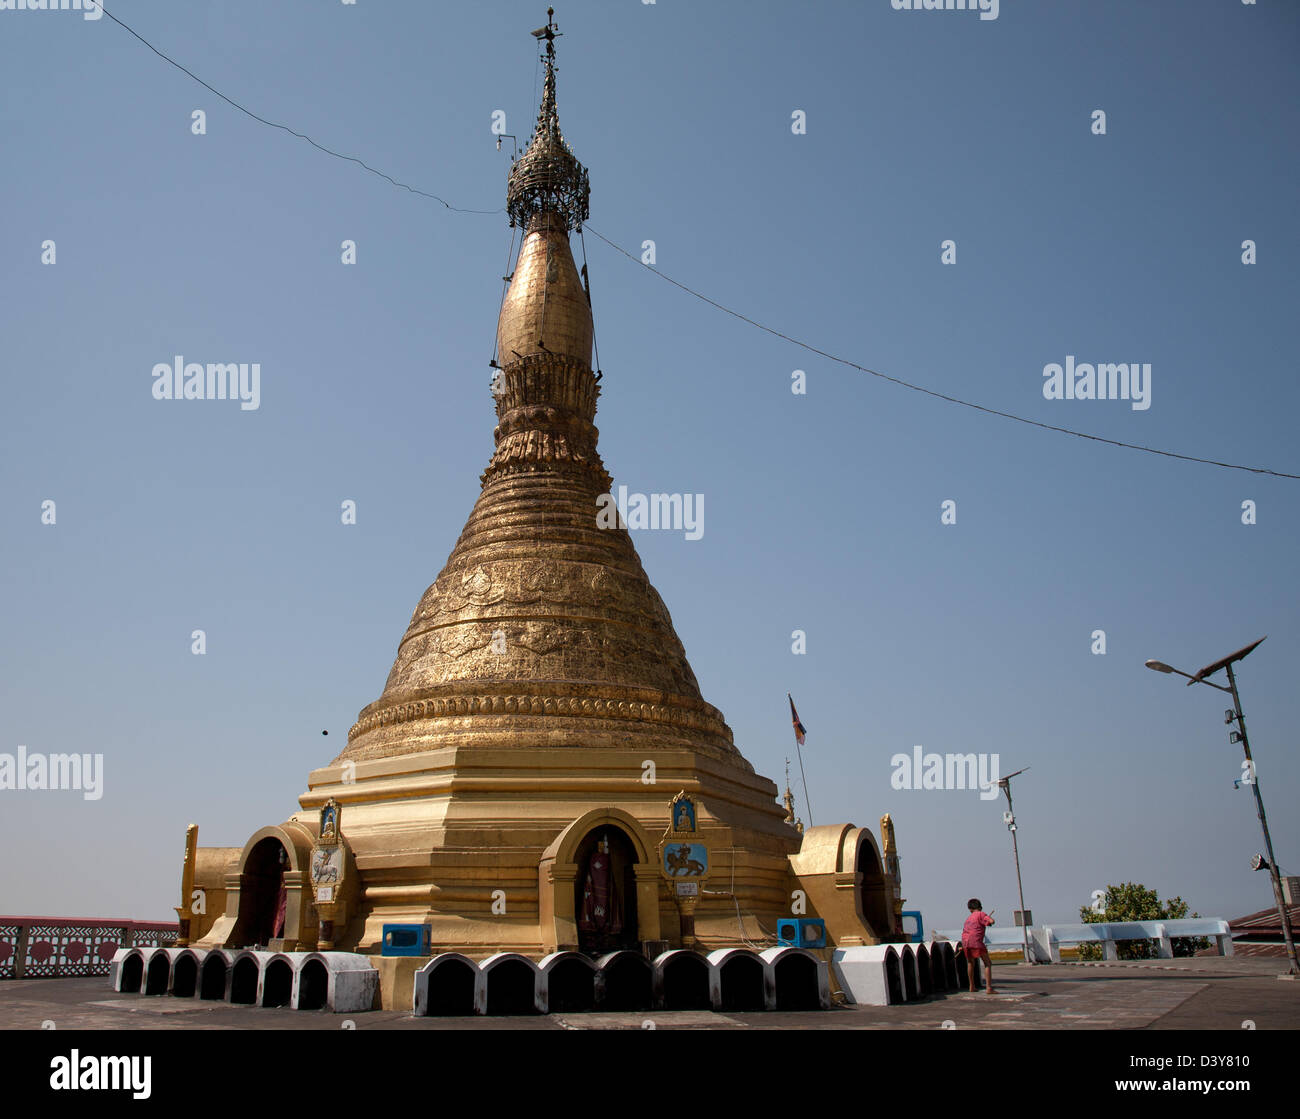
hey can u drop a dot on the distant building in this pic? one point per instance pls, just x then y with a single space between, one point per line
1260 934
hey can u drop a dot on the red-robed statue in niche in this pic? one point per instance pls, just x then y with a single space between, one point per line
281 898
602 908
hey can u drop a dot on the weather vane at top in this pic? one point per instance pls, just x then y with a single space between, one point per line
550 32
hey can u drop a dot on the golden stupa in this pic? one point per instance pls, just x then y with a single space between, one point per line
540 709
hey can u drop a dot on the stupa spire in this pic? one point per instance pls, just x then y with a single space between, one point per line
547 180
545 391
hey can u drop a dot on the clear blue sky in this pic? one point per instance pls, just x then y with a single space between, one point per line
822 511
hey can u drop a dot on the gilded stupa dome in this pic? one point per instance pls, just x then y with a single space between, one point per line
542 628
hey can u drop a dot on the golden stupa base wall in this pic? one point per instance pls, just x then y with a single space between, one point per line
479 843
483 844
397 980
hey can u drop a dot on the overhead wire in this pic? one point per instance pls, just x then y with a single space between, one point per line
920 388
292 132
712 302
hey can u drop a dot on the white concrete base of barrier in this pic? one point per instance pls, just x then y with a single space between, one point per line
115 967
341 982
453 962
871 975
775 959
352 982
783 977
495 963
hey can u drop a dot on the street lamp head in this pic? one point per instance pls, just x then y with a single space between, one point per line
1240 654
1158 666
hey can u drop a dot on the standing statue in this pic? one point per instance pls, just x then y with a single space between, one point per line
602 907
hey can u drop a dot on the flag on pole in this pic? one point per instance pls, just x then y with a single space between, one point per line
799 730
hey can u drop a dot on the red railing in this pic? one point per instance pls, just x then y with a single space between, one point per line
50 947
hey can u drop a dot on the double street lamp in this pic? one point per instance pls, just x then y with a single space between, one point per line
1239 735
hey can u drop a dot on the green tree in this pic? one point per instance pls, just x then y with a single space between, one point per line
1131 901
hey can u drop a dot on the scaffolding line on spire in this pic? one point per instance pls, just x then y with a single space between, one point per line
586 284
505 286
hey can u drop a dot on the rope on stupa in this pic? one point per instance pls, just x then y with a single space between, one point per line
505 287
586 283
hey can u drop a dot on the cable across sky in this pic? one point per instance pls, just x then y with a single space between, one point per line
704 298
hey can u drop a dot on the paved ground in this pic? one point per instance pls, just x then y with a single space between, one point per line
1207 993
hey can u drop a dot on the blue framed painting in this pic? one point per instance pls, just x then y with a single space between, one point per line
685 859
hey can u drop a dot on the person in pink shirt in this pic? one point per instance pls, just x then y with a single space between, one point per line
972 942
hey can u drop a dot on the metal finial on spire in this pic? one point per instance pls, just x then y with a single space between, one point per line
548 179
550 32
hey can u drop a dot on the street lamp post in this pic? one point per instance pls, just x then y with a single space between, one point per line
1253 777
1005 784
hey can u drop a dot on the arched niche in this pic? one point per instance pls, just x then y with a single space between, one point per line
273 855
559 888
873 895
840 867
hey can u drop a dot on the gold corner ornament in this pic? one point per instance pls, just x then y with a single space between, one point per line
184 911
891 867
890 852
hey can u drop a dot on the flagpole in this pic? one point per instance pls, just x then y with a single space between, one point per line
799 751
802 778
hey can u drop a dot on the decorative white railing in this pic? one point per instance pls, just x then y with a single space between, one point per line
51 947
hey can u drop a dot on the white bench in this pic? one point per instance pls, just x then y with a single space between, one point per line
1045 942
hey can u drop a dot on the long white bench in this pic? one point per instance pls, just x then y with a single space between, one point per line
1045 941
1049 938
